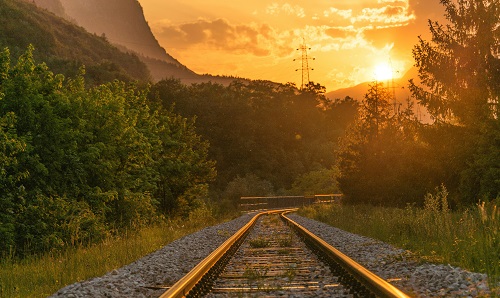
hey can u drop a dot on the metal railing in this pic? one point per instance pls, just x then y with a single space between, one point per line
275 202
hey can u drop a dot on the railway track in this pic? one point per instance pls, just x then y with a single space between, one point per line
272 256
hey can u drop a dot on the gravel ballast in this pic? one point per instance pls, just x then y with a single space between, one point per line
167 265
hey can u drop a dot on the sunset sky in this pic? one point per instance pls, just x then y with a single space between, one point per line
351 40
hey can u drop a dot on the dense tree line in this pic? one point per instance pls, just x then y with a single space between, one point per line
392 159
268 133
77 163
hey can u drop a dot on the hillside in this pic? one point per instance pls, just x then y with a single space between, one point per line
123 24
64 46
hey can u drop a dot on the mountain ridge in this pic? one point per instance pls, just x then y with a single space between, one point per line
357 92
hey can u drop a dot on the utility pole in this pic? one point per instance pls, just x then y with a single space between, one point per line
305 64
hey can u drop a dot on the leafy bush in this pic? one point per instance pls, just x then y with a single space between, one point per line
79 163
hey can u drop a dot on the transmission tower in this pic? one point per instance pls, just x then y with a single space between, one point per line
305 64
396 105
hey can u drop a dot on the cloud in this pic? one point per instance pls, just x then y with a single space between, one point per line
389 14
332 12
219 34
288 9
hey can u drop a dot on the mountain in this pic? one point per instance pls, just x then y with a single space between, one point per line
400 87
64 46
122 23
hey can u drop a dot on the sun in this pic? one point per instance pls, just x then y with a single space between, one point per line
383 72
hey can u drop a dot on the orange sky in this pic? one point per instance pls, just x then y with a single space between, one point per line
258 39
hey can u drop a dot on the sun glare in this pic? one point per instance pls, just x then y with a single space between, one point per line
383 72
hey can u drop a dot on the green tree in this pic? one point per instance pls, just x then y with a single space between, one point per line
273 131
250 185
380 159
460 70
376 110
323 181
183 165
11 146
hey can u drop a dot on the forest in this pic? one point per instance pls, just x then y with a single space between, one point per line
84 158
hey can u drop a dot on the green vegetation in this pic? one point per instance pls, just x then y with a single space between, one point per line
79 164
285 240
469 239
44 275
290 272
259 242
86 154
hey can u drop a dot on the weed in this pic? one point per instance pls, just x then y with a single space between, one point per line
285 241
254 274
290 272
224 233
284 251
259 242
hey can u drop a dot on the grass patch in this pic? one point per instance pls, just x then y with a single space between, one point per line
285 240
259 242
42 276
469 238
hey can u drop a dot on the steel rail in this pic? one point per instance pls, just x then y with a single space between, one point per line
376 284
189 281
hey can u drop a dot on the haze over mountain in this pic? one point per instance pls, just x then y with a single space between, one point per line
358 92
120 21
400 87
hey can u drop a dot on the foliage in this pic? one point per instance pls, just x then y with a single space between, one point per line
380 156
11 146
323 181
269 130
389 158
79 163
250 185
460 70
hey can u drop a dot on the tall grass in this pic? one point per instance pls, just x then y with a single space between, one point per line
41 276
469 239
